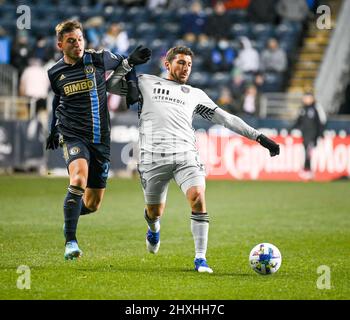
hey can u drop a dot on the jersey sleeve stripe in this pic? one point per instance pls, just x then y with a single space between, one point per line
204 112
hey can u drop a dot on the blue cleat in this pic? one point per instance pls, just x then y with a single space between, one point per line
201 265
152 241
72 251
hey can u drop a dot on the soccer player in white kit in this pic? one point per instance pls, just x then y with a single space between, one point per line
168 147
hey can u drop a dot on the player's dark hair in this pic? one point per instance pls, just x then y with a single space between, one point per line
66 27
170 55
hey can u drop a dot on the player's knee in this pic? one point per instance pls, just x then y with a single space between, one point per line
155 211
78 180
196 198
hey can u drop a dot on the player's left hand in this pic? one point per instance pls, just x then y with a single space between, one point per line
139 55
273 147
52 140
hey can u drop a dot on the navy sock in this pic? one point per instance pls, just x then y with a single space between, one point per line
71 208
84 210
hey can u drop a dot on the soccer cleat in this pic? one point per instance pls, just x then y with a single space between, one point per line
201 265
72 251
152 241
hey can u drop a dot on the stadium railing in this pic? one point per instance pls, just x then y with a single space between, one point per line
8 80
17 108
280 105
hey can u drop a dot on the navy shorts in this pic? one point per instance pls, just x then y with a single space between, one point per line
97 156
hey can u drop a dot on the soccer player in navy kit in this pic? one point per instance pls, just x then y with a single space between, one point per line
80 122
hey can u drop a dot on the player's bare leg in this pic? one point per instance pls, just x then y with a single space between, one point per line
78 173
92 200
199 226
153 213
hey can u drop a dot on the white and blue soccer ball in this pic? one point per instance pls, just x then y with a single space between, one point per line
265 258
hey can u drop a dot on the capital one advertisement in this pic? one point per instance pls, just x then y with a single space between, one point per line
230 156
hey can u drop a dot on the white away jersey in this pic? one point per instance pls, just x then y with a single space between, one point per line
167 113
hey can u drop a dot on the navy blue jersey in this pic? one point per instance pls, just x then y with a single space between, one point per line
80 103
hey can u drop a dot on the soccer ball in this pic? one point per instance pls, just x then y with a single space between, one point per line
265 258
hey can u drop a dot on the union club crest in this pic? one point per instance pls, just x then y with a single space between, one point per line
185 89
74 151
89 69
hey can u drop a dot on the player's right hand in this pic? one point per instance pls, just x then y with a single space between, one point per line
52 140
139 55
269 144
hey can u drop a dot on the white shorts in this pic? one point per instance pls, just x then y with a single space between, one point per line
155 178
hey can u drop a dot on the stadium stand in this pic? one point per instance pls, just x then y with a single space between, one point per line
160 27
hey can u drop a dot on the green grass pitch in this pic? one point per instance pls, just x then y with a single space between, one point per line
308 222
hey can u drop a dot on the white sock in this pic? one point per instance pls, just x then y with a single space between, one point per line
200 229
154 225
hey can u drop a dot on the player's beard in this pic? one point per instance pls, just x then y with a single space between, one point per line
75 56
178 79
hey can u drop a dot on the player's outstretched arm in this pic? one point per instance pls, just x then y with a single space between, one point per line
236 124
125 87
115 82
121 66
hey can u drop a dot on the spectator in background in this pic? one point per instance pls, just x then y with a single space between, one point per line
179 4
42 49
20 51
273 58
219 23
250 106
226 101
312 4
248 58
193 23
153 4
35 84
221 57
237 84
259 81
262 11
311 122
5 47
94 34
293 11
116 40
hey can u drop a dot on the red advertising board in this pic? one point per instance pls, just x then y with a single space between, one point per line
229 156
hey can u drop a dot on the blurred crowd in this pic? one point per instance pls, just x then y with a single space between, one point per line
206 26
